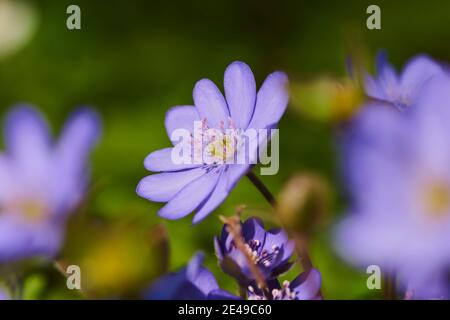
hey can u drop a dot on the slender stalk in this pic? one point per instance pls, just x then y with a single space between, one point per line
15 282
61 267
243 292
389 290
262 188
302 253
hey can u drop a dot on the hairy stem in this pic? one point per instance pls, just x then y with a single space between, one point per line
61 267
234 229
243 292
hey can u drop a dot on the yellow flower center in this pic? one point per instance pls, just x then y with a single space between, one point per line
437 199
28 209
221 149
33 210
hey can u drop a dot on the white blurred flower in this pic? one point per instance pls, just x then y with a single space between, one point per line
18 22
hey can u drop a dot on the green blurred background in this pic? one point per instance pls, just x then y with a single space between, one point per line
132 60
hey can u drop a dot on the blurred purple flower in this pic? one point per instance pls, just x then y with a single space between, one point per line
194 282
304 287
270 251
397 167
41 181
202 187
4 295
400 90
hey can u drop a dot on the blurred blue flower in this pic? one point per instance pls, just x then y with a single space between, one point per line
397 168
41 182
193 282
400 90
305 287
269 250
203 185
4 295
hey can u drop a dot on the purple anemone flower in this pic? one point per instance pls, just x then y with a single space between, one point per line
41 182
400 90
202 184
270 251
193 282
397 167
305 287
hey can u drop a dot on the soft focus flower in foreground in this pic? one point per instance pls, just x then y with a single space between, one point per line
269 250
41 182
194 282
3 294
400 90
398 173
304 287
203 185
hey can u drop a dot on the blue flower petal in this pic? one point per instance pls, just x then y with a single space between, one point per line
8 180
220 294
417 72
28 143
174 286
201 277
217 197
279 238
164 186
71 153
253 229
80 134
432 130
162 160
210 103
190 197
181 117
271 101
307 285
4 295
20 239
205 281
240 92
235 173
385 70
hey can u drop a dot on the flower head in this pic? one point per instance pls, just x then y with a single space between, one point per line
397 170
194 282
400 90
269 250
305 287
41 182
217 149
